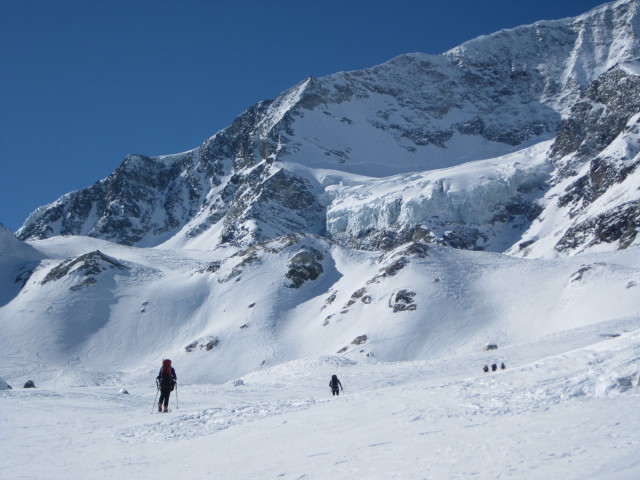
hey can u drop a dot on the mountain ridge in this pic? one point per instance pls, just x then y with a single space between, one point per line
359 215
412 113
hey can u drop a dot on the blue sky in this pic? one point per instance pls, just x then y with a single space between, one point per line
85 82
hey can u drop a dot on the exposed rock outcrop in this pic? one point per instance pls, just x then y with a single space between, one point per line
87 266
205 343
402 300
304 266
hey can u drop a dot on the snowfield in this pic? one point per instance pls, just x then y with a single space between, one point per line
416 404
565 407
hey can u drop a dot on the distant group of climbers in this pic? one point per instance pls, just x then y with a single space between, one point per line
494 367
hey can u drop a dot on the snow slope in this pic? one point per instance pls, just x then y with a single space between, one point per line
565 407
16 261
411 325
90 298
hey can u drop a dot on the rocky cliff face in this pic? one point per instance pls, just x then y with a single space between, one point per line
594 200
332 156
143 201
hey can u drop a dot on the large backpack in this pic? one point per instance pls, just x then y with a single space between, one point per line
166 375
334 382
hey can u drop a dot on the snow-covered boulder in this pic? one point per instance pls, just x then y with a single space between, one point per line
4 385
304 266
402 301
207 343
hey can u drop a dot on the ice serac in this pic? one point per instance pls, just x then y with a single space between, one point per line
334 156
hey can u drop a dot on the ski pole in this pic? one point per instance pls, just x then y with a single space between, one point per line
154 402
177 403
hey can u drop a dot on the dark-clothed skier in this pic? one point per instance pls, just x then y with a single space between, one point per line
335 384
166 382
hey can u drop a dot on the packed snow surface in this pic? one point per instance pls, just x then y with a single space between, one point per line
565 407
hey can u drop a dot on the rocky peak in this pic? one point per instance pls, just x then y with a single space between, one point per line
596 154
600 115
263 176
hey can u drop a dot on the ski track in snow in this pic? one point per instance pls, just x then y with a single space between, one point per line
212 420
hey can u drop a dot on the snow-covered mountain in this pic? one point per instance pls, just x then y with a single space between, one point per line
337 203
401 225
283 233
287 165
222 314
